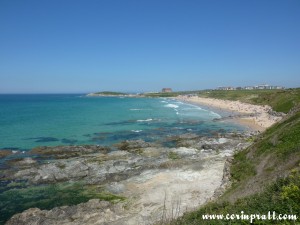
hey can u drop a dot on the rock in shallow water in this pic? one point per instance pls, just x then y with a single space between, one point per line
5 152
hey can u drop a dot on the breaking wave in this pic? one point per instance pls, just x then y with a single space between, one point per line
172 106
146 120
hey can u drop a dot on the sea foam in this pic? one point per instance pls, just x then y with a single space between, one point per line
172 106
139 109
215 114
146 120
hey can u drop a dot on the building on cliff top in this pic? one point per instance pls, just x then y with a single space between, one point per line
164 90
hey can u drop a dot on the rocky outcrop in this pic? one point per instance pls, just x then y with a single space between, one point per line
226 179
5 153
140 171
91 212
64 152
276 114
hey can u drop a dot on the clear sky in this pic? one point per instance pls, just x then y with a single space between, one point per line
71 46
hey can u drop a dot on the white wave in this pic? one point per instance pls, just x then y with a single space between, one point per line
137 131
215 114
163 102
146 120
172 106
177 113
138 109
195 108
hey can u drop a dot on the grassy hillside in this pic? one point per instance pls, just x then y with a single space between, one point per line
265 177
279 100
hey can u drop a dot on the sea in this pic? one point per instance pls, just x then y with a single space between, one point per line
32 120
29 121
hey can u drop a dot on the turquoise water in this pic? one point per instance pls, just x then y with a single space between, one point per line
28 121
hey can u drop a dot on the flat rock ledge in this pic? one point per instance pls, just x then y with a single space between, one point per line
156 182
92 212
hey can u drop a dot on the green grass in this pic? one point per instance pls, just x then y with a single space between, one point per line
279 100
173 155
281 139
242 168
276 146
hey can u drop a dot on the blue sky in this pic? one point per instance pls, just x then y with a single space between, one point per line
74 46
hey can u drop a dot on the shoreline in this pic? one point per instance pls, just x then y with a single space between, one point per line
149 176
255 117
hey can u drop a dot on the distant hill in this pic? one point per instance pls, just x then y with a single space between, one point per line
107 93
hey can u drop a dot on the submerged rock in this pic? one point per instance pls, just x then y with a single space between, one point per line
64 152
27 161
134 145
5 152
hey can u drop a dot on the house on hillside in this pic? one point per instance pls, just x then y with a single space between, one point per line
262 87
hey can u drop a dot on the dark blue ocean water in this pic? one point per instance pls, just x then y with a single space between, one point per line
27 121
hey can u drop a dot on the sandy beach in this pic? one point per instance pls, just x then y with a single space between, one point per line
254 116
